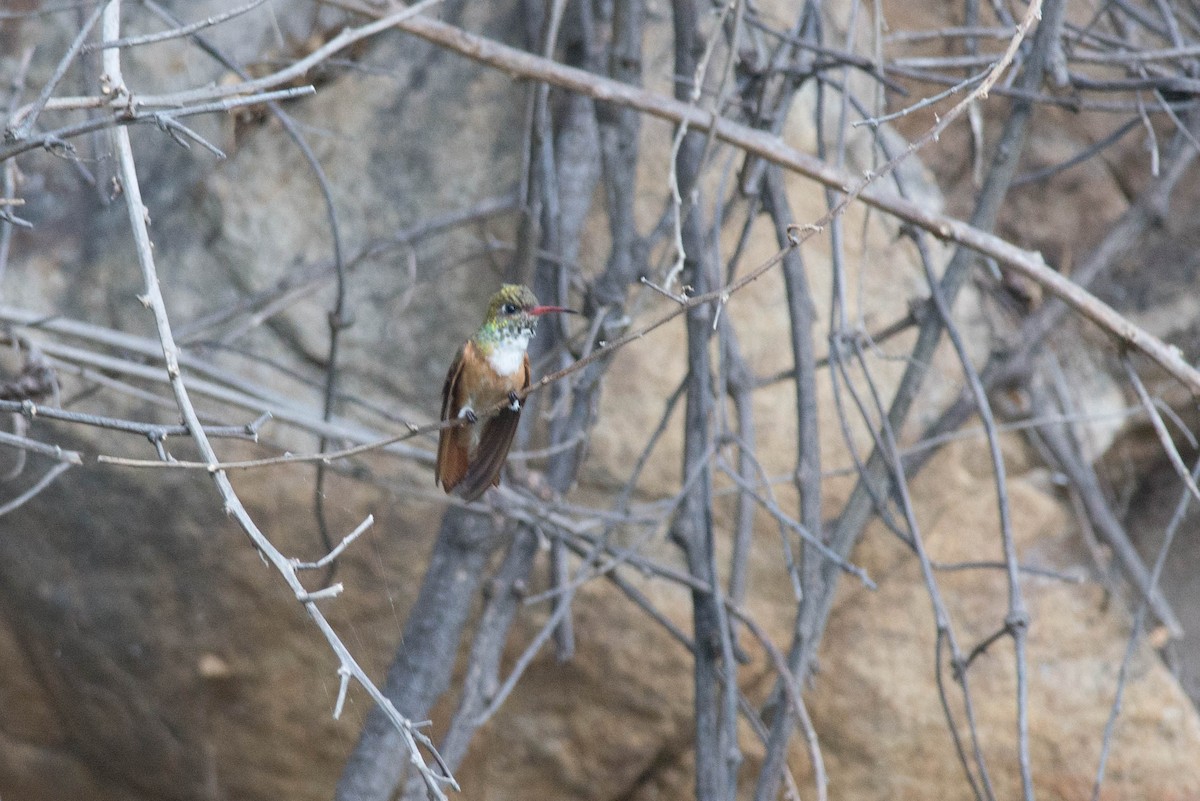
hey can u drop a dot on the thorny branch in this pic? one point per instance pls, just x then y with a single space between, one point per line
152 299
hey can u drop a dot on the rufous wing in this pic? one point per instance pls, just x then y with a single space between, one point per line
486 463
453 446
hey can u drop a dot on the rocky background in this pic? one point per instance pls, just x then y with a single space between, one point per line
147 652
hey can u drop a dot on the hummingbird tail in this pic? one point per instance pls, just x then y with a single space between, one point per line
494 442
452 460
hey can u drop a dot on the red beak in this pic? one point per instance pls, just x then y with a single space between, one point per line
538 311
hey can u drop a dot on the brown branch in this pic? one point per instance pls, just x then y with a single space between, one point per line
520 64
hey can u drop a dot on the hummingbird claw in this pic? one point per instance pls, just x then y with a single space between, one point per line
468 414
514 402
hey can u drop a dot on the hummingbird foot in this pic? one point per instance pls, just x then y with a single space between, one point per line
514 402
468 414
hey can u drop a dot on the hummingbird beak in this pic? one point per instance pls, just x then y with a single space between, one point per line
538 311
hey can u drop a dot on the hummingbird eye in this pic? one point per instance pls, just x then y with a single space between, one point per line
508 308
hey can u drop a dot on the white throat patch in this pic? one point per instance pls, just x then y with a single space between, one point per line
508 356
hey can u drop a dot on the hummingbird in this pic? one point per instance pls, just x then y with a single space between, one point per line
491 368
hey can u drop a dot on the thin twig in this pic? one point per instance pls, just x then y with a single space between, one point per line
55 141
1160 428
34 446
175 33
28 117
46 480
1139 623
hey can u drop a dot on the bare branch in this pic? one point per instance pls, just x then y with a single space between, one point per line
46 480
766 146
175 33
153 300
19 127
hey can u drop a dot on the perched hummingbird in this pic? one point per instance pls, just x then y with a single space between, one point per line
491 367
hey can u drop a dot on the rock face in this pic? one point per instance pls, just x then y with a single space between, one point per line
146 652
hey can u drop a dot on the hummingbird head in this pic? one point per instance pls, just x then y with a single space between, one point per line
512 314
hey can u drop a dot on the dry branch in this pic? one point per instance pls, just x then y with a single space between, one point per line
152 298
520 64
